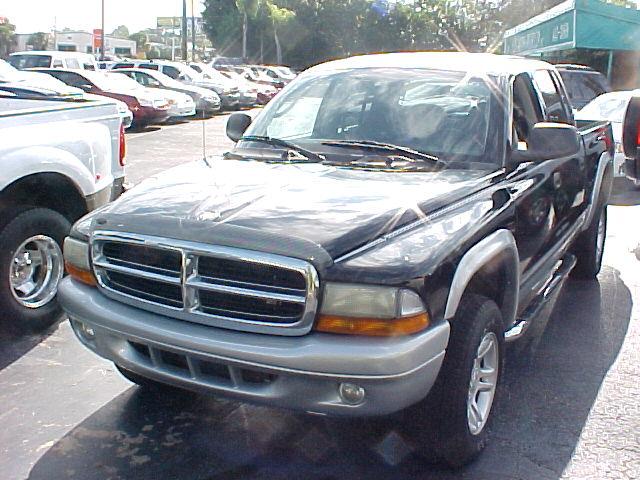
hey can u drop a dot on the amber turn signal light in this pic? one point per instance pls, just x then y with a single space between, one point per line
80 275
376 327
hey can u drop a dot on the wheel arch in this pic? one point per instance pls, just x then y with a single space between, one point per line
489 268
46 190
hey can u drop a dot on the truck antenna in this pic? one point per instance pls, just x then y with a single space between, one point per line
204 139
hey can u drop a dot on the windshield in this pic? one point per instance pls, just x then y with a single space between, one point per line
607 107
30 61
438 112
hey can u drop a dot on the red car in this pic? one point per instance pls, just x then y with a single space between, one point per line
148 106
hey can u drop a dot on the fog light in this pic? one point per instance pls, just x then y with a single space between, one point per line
86 332
351 393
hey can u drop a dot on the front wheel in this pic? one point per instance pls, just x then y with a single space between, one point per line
31 267
589 247
460 404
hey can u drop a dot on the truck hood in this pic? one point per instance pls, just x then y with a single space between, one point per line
337 209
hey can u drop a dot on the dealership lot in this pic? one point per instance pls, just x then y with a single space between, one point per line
569 412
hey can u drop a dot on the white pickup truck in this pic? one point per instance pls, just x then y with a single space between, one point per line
58 161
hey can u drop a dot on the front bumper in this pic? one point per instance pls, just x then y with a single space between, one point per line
230 101
301 373
184 110
208 106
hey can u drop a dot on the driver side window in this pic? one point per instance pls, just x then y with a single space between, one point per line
526 111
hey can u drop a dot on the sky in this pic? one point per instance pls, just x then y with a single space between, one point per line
41 15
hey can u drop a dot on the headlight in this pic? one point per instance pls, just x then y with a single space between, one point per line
371 310
159 103
76 261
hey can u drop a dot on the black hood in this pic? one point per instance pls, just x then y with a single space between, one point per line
337 209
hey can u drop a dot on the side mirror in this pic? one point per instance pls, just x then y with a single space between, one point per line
86 87
237 125
548 141
631 129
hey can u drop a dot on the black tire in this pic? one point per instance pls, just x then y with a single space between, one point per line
446 436
588 255
20 224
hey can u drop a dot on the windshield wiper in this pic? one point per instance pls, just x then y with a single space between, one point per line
371 145
278 142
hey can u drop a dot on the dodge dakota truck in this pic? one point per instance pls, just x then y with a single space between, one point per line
378 234
60 160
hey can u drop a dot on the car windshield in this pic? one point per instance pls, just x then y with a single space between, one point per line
611 106
438 112
30 61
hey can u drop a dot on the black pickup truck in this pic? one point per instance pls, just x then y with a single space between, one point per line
378 234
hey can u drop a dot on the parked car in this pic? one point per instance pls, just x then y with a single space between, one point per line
265 93
279 74
60 160
376 261
248 93
148 106
612 107
52 59
583 83
229 95
106 64
36 85
254 75
207 101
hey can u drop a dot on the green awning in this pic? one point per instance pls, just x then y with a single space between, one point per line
573 24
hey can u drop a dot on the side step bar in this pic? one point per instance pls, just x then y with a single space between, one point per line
543 304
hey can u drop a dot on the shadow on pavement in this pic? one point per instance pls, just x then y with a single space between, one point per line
15 343
544 408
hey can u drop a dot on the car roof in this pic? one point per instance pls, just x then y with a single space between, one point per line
479 63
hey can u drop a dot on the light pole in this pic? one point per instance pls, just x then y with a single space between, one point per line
102 35
184 31
193 33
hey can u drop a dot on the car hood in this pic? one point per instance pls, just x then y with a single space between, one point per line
42 80
285 205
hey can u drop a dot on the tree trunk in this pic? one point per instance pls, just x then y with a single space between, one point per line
278 47
244 35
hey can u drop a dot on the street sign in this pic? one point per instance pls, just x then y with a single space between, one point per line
97 39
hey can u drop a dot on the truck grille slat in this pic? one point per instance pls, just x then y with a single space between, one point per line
214 285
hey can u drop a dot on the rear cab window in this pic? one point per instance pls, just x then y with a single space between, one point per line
30 61
553 98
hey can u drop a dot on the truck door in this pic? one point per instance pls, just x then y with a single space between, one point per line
544 211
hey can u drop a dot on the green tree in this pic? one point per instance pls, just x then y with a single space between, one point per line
7 38
38 41
223 25
121 32
141 39
280 17
248 9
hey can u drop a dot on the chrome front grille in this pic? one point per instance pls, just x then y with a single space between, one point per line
214 285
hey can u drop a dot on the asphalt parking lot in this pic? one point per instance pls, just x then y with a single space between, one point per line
570 411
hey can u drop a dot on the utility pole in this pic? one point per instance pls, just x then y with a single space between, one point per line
184 31
102 35
193 33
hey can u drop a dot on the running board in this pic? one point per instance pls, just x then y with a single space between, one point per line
544 301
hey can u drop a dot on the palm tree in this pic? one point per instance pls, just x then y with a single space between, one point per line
280 17
248 8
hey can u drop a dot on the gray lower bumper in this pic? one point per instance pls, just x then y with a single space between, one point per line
301 373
